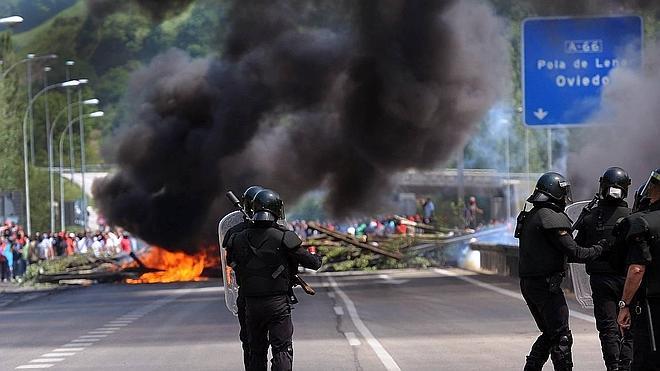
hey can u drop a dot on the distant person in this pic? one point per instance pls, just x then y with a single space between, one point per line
429 211
472 213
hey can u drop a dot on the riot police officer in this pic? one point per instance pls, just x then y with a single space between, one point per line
247 199
607 273
545 243
640 302
263 253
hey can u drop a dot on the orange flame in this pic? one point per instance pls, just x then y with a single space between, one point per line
175 266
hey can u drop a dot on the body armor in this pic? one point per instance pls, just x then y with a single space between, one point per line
645 226
598 224
260 253
538 257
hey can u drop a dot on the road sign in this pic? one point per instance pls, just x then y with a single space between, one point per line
566 62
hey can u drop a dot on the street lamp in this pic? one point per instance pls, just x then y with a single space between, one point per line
14 19
30 57
82 151
89 102
71 122
68 64
25 147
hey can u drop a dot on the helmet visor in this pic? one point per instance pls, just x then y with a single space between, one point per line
654 179
568 195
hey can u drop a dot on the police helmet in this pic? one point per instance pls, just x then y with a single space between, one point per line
248 197
552 188
614 183
642 196
267 206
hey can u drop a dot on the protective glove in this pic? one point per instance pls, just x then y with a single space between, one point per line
606 245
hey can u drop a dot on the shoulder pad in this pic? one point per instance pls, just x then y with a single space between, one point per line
637 226
551 219
229 240
291 240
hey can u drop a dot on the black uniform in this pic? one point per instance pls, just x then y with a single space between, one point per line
643 244
240 300
545 244
607 277
263 253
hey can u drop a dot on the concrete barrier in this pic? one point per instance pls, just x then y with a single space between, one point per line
497 258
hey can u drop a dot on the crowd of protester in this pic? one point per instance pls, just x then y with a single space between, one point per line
17 250
395 225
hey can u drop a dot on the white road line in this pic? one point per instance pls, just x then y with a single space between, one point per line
83 340
509 293
117 324
46 360
93 336
111 328
122 321
58 354
77 345
68 349
43 365
339 310
352 339
101 332
382 354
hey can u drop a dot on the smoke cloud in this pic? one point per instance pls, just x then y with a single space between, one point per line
293 108
628 130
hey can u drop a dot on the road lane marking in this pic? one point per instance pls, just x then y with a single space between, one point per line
509 293
42 365
67 349
352 339
339 310
77 345
98 334
58 354
382 354
46 360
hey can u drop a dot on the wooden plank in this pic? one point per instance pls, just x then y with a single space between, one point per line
339 236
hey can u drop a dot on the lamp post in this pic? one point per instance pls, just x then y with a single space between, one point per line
82 153
68 64
25 147
70 123
90 102
34 58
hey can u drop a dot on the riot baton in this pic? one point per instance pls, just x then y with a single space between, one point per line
309 290
650 323
237 204
585 211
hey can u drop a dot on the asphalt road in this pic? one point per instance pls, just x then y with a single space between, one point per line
409 320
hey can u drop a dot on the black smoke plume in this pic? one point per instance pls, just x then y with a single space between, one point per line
294 108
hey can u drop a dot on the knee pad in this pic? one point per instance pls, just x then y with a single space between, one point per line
561 355
286 348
